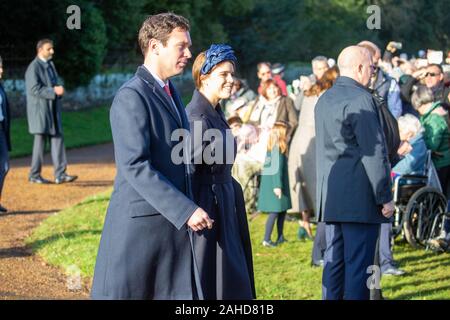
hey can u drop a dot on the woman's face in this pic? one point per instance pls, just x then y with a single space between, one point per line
220 81
272 92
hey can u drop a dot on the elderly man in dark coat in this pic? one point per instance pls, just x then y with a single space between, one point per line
146 246
353 177
44 114
5 141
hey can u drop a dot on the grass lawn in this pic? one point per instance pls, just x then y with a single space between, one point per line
71 237
81 128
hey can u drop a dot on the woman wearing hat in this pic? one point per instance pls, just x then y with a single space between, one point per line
223 254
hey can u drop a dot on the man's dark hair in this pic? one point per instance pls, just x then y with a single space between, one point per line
437 66
159 27
1 61
42 42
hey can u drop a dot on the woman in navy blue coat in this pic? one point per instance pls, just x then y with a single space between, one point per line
223 253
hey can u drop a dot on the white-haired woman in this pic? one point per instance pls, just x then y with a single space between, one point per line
413 148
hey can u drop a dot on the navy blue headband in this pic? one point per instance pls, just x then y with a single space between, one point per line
216 54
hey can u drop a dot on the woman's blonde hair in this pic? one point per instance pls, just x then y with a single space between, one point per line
277 137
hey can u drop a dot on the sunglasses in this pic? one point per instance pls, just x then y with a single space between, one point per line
432 74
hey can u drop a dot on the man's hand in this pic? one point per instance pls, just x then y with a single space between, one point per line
420 74
390 47
388 209
277 192
200 220
59 90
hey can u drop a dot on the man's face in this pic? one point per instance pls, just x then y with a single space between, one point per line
174 57
434 77
264 73
366 70
46 51
319 68
1 70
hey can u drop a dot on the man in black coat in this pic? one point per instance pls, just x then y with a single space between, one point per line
5 141
146 247
353 177
44 95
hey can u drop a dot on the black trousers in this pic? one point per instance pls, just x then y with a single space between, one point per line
58 153
4 162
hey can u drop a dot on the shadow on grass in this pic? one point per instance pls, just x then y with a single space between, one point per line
40 243
430 257
401 285
415 295
15 213
15 252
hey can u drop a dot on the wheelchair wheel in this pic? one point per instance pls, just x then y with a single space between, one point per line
423 215
251 193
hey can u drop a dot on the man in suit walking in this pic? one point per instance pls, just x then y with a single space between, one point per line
353 177
146 249
5 141
44 95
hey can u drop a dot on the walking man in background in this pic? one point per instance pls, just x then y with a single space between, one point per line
5 141
44 95
353 177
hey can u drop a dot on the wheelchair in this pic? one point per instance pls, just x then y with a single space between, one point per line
251 190
420 207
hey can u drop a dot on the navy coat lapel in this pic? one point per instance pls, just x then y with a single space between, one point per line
159 92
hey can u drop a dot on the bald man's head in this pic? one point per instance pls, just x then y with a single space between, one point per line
356 62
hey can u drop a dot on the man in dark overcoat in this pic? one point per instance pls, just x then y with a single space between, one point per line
353 178
44 94
5 140
146 246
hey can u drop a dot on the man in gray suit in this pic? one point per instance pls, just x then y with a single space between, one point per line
353 178
146 249
5 142
44 95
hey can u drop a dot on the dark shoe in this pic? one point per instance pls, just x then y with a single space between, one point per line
392 271
65 178
280 240
268 244
3 209
38 180
319 263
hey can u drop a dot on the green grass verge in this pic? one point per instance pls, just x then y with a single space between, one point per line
81 128
72 236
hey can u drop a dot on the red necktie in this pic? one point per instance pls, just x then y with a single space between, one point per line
167 90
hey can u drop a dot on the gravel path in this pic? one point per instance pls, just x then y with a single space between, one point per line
24 275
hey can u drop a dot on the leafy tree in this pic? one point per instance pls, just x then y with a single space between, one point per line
80 53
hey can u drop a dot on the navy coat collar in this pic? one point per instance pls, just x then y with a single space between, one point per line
146 76
204 107
347 81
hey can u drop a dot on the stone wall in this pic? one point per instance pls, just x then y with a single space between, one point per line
101 90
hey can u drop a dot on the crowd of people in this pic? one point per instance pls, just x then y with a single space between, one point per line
416 94
328 145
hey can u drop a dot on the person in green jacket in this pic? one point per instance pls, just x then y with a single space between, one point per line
274 195
434 120
437 136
